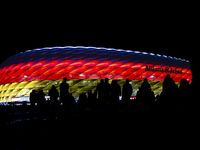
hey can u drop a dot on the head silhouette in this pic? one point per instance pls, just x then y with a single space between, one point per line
64 79
53 87
106 80
127 80
168 76
101 81
114 81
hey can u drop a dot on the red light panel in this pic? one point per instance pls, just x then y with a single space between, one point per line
39 64
79 63
18 66
92 63
28 65
52 63
127 65
117 64
104 64
65 63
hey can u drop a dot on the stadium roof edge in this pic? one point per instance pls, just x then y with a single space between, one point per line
92 47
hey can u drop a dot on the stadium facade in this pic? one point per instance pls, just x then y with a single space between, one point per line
84 67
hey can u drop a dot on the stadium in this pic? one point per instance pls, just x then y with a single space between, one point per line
84 67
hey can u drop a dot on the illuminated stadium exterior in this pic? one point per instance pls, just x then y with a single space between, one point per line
84 67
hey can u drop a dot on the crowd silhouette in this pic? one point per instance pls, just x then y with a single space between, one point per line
106 97
102 106
174 101
105 94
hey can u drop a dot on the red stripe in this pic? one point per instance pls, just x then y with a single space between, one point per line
85 69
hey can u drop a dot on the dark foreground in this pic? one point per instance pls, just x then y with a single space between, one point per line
122 127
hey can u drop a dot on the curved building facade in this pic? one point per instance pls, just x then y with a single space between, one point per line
84 67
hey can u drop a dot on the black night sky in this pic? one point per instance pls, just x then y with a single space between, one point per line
164 28
170 31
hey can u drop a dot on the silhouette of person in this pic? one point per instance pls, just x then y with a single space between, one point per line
100 90
82 101
145 96
185 100
33 97
71 100
53 93
184 88
145 84
126 91
115 91
64 91
90 97
169 94
168 84
107 88
41 98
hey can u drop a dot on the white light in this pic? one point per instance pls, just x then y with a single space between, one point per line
165 56
152 54
144 53
80 47
37 49
170 57
97 47
93 47
137 51
129 51
82 75
158 55
109 49
120 50
47 48
112 49
175 58
58 47
68 47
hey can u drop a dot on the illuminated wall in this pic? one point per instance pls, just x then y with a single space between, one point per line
84 67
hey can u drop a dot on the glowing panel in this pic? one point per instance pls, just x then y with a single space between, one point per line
127 65
18 66
10 68
39 64
52 63
28 65
104 63
117 64
65 63
32 84
118 70
79 63
92 63
94 69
